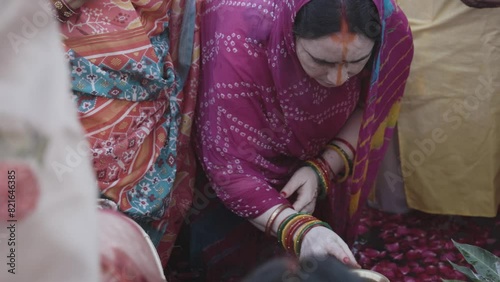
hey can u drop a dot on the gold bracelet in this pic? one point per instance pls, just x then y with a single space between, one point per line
273 217
63 10
344 159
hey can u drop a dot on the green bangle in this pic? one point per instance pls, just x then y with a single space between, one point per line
283 225
322 180
349 161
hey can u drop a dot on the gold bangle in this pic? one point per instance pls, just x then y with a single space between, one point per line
300 237
289 224
346 155
63 10
300 231
273 217
344 159
69 11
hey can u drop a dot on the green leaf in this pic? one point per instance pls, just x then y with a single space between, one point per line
444 280
466 271
484 262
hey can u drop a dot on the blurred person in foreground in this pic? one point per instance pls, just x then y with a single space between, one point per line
309 269
50 226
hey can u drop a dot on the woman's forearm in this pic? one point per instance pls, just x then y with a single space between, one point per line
261 221
349 133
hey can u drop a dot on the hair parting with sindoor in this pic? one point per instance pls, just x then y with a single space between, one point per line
319 18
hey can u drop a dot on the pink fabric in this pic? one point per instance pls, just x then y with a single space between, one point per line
120 260
260 115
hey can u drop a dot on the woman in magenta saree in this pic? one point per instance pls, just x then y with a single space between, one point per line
263 113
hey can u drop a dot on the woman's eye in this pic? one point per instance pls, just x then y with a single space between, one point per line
323 63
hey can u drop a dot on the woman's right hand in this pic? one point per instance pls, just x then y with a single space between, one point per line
305 182
321 241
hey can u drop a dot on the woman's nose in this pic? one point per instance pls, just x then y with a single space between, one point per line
338 75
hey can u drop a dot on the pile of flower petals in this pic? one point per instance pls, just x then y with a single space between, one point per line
417 246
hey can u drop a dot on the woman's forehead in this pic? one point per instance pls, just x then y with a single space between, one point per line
338 43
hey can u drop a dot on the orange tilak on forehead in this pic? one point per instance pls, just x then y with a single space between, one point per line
343 37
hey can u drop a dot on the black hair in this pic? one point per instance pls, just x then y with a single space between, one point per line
307 270
319 18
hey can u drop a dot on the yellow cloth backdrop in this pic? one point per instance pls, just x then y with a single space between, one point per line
450 115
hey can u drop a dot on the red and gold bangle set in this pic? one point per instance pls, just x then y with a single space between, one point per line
293 228
324 173
323 170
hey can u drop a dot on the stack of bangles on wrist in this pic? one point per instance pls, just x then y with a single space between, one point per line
294 228
336 145
348 161
63 10
324 173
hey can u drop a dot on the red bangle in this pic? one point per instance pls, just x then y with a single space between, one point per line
343 141
299 245
291 232
304 232
323 168
324 178
330 173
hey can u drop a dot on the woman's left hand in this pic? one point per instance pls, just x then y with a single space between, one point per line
305 182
